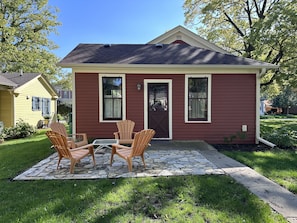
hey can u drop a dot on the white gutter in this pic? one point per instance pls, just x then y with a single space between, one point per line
258 83
73 118
264 141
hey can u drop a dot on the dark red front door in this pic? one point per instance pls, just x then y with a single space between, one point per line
158 114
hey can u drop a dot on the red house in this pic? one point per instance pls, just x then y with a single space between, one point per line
179 84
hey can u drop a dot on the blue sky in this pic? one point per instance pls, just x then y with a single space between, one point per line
113 21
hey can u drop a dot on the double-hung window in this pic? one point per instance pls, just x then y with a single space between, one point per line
35 103
112 97
46 107
41 104
197 98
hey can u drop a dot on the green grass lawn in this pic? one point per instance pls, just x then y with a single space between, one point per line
276 164
210 198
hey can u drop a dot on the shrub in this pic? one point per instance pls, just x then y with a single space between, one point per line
284 137
21 130
64 110
238 136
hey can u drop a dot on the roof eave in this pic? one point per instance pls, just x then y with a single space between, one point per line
94 65
50 88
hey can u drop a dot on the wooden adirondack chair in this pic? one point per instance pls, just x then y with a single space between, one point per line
125 132
74 140
64 151
140 142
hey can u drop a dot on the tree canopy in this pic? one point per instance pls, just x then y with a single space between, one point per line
24 29
286 99
264 30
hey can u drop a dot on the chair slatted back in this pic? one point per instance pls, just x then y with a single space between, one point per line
59 127
60 143
125 129
141 141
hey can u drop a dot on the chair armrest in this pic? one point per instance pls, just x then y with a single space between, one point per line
82 136
83 147
116 135
69 138
78 134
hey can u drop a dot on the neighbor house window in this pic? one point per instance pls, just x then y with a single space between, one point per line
35 104
112 95
197 98
46 107
41 104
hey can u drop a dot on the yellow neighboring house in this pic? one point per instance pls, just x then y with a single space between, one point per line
26 96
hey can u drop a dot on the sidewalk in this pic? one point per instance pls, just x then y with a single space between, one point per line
279 199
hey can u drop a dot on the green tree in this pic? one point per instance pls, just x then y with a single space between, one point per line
286 99
259 29
24 29
65 80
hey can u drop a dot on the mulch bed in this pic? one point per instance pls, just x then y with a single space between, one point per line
242 147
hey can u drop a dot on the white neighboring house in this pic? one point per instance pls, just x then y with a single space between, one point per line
65 96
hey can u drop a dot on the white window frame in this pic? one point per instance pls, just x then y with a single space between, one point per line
46 106
169 82
101 76
36 103
208 76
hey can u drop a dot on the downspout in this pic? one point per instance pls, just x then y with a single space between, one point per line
264 141
258 138
73 118
263 71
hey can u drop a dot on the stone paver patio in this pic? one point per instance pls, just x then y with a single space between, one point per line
161 160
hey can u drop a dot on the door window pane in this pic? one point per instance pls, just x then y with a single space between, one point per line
158 94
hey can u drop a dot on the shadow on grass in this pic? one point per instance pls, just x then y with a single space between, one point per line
210 198
267 161
172 199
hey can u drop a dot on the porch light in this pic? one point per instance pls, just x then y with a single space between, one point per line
138 86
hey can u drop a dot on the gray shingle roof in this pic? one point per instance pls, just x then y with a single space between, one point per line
5 82
170 54
19 79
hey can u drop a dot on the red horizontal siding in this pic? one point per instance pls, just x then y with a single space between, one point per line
134 100
233 104
87 107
